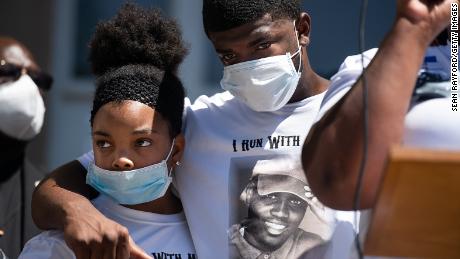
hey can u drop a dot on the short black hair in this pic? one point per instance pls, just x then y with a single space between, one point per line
222 15
136 35
135 56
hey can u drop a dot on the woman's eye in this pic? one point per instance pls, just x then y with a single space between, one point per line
227 57
264 45
143 143
103 144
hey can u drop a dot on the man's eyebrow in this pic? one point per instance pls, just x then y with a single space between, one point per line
261 37
101 133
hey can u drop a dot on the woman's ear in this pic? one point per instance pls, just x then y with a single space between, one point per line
178 150
303 25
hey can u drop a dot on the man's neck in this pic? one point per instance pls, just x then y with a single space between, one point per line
310 84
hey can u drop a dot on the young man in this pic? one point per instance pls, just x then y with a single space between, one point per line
22 113
272 99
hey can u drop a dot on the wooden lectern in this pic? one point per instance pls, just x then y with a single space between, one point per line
417 213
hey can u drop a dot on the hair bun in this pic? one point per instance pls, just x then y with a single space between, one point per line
137 35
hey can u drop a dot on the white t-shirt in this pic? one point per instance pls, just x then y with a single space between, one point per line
161 236
430 124
224 140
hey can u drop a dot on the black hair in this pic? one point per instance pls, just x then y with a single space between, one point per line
136 55
222 15
137 35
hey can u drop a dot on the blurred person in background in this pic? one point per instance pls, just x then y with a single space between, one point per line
22 111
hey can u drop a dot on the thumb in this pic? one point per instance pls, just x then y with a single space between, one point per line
135 252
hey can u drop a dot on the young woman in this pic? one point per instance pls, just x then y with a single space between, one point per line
136 124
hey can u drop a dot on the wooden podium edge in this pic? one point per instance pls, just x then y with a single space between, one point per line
397 155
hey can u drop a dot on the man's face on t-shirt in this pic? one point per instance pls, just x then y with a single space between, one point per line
272 219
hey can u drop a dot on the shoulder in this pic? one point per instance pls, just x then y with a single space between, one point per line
214 107
234 232
355 61
49 245
305 241
349 71
86 159
205 101
304 236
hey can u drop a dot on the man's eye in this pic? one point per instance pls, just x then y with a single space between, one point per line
143 143
296 202
103 144
264 45
270 197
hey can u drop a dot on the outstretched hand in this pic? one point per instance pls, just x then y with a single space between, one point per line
432 15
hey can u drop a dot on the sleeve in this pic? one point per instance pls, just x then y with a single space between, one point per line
45 246
187 104
86 159
344 79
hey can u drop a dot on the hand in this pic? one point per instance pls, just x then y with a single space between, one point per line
91 235
433 16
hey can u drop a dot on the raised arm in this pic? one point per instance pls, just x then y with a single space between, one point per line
334 148
61 201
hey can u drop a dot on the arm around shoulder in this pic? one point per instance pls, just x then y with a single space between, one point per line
61 192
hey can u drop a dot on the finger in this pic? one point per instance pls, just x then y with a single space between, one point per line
110 243
136 252
96 251
81 253
123 244
123 248
110 249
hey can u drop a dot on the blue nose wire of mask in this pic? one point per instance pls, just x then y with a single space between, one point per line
135 186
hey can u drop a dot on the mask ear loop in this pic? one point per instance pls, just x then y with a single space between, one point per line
299 49
169 154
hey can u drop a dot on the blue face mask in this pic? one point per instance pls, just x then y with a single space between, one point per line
132 187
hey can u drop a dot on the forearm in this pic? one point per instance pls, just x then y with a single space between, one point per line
62 194
334 148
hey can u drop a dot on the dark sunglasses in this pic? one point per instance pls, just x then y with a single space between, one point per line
11 72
